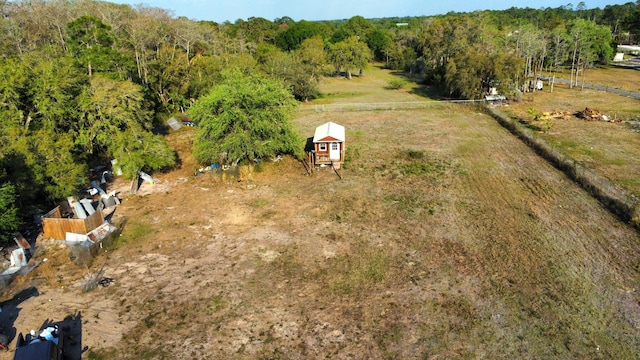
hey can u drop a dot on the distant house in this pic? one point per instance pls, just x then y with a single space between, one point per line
328 145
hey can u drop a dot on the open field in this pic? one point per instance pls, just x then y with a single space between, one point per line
447 238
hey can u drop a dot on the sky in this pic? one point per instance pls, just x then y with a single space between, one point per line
232 10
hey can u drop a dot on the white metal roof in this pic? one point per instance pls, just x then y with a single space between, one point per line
329 130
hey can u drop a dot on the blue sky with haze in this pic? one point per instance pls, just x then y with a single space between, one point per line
232 10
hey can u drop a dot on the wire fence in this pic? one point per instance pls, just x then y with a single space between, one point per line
385 106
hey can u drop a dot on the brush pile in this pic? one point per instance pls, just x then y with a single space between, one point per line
557 115
589 114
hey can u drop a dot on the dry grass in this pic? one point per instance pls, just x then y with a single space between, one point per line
610 149
619 78
446 238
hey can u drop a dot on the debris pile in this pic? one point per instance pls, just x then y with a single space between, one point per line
556 115
589 114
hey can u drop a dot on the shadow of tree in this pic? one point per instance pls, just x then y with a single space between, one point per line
11 309
426 91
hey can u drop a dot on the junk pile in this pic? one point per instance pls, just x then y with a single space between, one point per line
590 114
84 225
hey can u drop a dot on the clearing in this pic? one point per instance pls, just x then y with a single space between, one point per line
446 238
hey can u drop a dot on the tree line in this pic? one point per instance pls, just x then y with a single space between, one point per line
88 81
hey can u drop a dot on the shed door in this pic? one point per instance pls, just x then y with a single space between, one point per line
334 151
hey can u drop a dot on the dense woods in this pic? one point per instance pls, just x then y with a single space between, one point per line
88 81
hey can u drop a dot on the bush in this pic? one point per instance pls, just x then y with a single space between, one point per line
395 84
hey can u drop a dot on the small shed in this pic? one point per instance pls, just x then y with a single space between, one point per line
328 145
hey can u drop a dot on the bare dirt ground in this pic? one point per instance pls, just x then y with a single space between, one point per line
445 238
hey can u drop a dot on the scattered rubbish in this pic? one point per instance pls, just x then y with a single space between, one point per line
111 200
19 260
204 169
174 123
94 236
105 174
84 247
101 232
116 168
105 281
22 242
73 238
71 200
78 209
146 177
99 188
87 204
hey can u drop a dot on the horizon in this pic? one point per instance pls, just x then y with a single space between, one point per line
222 11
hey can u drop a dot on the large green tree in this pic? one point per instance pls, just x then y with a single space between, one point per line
91 43
591 43
245 117
349 55
380 43
292 37
299 69
470 73
115 123
9 220
356 26
632 21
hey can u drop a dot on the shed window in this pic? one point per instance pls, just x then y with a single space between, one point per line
322 147
334 146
